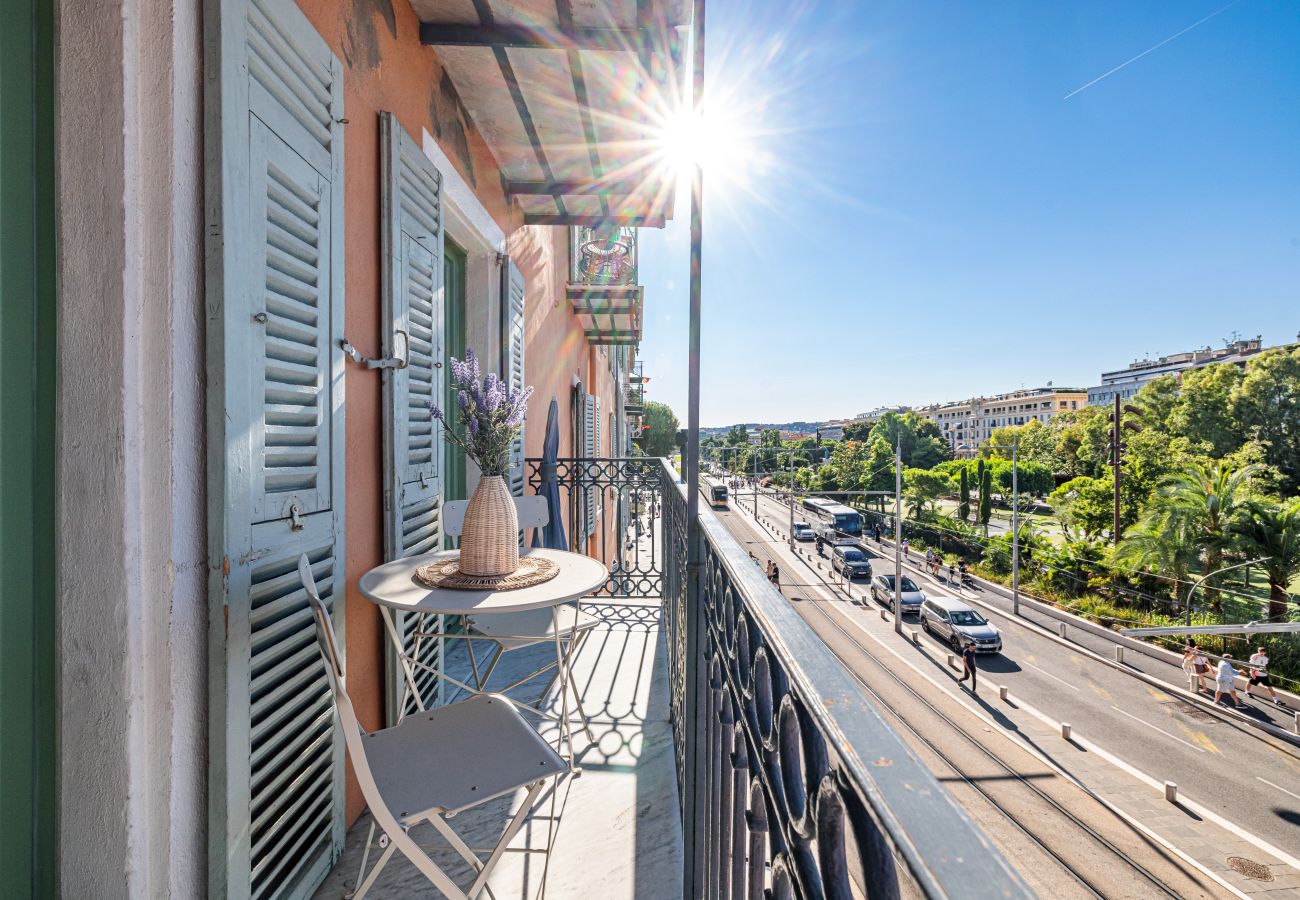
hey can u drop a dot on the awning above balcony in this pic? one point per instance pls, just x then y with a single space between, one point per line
568 95
610 314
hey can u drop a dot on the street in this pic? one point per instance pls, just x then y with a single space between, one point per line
1139 734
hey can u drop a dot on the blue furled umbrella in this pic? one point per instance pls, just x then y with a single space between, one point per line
552 535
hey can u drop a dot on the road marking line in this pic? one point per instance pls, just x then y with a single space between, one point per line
1201 740
1272 785
1183 799
1053 677
1157 728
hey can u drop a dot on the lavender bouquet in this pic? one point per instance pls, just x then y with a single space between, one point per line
489 413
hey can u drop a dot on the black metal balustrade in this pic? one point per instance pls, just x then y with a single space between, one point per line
791 784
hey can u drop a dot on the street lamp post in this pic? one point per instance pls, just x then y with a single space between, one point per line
1015 519
1198 582
898 538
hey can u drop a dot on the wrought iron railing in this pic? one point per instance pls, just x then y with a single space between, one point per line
612 510
603 255
791 784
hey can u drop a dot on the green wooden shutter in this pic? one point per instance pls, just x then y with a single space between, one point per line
413 441
515 366
274 165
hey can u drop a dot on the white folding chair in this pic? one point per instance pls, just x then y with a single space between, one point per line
566 625
435 764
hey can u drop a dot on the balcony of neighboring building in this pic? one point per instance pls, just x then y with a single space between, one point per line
603 284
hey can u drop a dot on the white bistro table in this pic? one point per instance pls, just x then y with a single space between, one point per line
393 587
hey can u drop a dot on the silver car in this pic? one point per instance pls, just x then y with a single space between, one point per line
882 591
803 532
953 621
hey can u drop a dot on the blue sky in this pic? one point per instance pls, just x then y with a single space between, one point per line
920 215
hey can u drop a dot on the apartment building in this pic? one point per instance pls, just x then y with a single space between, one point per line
1128 381
968 423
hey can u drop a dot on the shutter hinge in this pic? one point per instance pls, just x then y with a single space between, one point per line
296 522
392 362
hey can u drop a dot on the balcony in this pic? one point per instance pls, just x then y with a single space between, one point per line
735 756
603 283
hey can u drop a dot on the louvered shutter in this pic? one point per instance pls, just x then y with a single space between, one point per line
413 443
589 452
275 446
515 366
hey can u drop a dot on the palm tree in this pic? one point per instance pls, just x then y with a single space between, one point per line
1160 544
1274 532
1207 500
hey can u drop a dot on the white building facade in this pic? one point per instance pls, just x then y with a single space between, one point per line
968 423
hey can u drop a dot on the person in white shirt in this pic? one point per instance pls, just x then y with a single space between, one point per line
1225 682
1259 673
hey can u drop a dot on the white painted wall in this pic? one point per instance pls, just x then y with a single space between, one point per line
131 580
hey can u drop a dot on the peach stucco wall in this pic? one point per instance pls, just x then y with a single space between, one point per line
387 69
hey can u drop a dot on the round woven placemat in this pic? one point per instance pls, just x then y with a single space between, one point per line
447 574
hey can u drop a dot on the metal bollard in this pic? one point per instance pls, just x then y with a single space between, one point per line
1065 730
1003 692
952 661
1171 792
915 635
1062 629
1119 654
884 616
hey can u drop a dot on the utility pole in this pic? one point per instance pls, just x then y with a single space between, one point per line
1117 445
1015 527
898 538
790 533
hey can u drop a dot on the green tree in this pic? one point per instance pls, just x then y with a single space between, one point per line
1156 400
1267 403
986 496
1084 505
661 428
921 487
1083 442
963 494
1163 545
737 436
1202 504
920 441
1035 443
1273 530
1203 411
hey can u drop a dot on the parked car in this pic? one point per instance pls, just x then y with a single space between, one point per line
953 621
851 561
882 591
803 532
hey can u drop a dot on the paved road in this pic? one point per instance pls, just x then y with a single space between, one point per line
1250 779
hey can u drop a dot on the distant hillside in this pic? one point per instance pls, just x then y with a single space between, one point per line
803 427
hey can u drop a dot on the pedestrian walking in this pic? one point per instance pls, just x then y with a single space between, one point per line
952 573
767 570
929 559
1200 667
968 665
776 575
1225 682
905 547
1259 674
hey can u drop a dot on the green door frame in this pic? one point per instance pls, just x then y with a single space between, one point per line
455 261
27 448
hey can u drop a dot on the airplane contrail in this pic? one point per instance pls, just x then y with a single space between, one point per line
1150 49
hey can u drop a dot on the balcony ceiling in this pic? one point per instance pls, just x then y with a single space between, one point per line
610 314
567 94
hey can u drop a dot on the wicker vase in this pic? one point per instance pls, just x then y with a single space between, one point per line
489 541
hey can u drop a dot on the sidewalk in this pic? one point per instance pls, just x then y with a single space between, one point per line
1185 827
